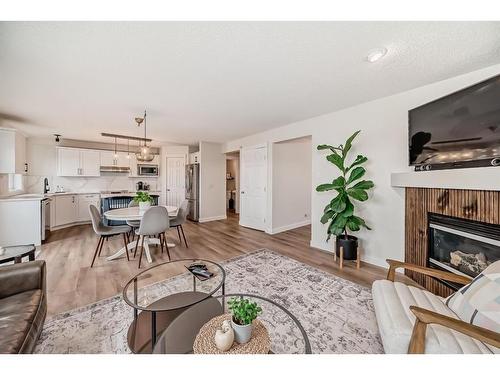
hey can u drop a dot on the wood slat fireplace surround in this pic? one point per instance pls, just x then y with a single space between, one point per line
478 205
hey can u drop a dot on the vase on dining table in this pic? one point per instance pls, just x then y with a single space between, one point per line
144 205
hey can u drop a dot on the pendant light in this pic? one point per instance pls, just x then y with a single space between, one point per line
128 148
115 155
144 152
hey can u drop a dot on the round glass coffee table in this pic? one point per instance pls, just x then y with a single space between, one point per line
16 253
161 293
285 331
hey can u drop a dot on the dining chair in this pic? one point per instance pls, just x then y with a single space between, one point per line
180 219
133 224
154 222
105 231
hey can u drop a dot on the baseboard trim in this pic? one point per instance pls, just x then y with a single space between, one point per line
289 227
64 226
212 218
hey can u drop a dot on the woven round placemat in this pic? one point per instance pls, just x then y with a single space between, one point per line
204 343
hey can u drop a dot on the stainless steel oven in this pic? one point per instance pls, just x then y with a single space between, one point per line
147 169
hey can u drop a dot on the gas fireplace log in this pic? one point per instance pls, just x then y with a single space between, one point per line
470 264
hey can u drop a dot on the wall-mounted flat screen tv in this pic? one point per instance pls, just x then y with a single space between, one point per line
459 128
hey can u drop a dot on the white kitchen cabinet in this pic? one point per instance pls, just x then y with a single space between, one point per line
66 209
84 201
108 159
77 162
12 152
194 158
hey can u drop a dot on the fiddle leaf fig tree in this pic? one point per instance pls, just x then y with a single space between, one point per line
348 187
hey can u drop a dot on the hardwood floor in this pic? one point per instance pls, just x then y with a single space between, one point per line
72 283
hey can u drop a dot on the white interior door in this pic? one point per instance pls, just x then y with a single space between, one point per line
253 187
176 168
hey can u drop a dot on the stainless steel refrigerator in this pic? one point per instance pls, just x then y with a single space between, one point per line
193 191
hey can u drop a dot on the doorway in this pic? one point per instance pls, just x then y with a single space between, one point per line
233 183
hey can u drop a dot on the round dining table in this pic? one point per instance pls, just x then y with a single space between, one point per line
133 214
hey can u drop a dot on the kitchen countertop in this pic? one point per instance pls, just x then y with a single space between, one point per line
38 197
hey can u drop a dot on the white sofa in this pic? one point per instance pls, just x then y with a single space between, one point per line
396 320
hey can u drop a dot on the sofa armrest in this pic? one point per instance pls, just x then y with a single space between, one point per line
443 275
21 277
425 317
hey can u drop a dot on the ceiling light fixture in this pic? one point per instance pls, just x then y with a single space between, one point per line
144 153
376 54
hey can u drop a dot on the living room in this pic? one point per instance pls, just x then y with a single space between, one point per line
251 187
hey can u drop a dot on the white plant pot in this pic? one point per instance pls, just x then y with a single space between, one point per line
242 334
144 205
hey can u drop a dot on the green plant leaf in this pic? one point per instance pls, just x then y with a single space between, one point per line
358 194
337 160
348 143
352 224
365 185
356 174
359 221
337 226
360 159
338 204
327 147
325 187
327 216
349 208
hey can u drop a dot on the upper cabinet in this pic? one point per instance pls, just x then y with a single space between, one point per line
12 152
108 159
77 162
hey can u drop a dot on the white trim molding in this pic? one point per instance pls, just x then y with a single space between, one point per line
289 227
212 218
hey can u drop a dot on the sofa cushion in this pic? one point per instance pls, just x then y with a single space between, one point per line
392 301
17 313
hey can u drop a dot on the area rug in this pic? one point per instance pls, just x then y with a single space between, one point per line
337 314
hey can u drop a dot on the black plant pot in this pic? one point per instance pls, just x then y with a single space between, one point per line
350 245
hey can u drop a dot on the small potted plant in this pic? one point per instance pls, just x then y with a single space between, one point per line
144 200
244 313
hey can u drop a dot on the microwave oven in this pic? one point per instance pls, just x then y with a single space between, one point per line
147 170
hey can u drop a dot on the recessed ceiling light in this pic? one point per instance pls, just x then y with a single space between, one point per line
376 54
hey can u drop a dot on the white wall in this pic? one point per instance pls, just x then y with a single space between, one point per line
212 182
383 139
291 184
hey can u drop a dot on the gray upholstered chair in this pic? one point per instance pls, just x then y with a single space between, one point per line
106 231
181 219
133 224
155 222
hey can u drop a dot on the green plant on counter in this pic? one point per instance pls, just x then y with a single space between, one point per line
142 196
244 312
340 210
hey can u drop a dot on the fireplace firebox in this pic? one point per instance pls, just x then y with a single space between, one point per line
461 246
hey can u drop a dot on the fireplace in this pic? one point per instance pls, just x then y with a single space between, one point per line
462 246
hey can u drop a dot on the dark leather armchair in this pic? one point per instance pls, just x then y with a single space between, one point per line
23 306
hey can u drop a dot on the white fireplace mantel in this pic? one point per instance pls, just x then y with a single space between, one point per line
468 179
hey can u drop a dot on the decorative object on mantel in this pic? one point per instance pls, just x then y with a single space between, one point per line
224 337
244 313
144 200
144 153
204 343
340 211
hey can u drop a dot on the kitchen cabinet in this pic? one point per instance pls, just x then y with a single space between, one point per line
12 152
66 209
108 159
74 162
84 201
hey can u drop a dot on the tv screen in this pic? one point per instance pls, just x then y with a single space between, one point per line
463 126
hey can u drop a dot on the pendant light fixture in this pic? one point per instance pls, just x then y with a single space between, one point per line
144 152
128 148
115 155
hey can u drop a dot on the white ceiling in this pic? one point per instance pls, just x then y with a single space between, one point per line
218 81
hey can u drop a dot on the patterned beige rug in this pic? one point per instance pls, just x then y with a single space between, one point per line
337 314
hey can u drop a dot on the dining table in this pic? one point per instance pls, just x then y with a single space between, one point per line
135 214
